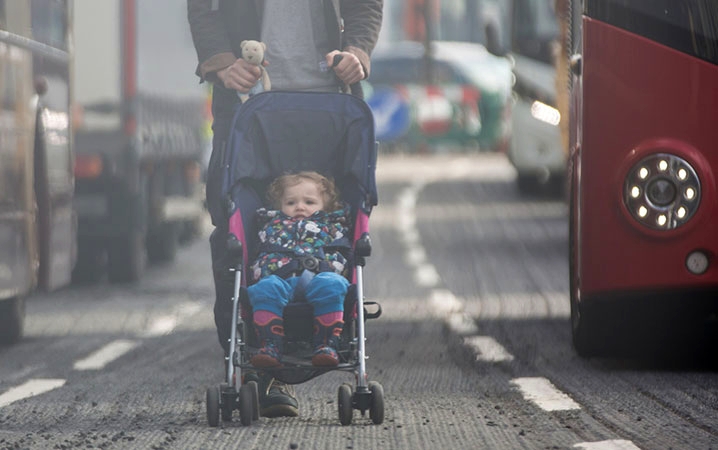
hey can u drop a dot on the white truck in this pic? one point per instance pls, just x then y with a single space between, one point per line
141 135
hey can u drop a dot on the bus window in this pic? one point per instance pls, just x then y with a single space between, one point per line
688 26
49 24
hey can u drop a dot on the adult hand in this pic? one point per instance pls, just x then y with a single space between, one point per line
349 69
240 76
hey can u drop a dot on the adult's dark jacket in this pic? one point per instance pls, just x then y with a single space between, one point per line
219 26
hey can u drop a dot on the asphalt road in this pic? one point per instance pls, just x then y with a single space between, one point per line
473 349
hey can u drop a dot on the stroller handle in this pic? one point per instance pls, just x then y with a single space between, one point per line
356 89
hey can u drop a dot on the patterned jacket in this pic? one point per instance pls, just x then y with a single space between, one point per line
285 241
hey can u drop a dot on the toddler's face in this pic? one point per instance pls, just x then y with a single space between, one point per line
302 200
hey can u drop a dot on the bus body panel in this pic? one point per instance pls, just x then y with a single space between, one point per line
616 252
54 150
37 221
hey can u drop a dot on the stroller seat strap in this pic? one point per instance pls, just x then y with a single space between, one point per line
301 288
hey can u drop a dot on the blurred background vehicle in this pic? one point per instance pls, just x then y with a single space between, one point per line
435 80
458 95
141 135
523 35
536 148
37 223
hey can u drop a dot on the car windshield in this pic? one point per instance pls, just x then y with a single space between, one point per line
535 29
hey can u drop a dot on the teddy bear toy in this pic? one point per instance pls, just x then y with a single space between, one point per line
253 53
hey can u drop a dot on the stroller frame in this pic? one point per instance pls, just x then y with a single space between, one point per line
240 390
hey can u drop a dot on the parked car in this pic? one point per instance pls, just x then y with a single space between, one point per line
468 102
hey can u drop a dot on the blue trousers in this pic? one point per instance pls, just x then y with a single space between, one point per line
326 291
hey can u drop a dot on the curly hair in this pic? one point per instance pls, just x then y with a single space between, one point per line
328 190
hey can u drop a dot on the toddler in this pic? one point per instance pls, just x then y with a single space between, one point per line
299 249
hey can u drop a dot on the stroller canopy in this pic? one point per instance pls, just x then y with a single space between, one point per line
279 132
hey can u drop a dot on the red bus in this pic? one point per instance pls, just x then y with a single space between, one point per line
643 234
37 221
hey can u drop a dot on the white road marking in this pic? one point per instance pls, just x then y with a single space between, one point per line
415 256
616 444
544 394
29 389
487 349
443 302
105 355
161 326
427 276
462 324
165 325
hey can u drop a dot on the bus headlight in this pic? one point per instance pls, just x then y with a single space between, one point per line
662 191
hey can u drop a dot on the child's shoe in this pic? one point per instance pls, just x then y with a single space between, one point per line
325 356
267 356
326 341
270 336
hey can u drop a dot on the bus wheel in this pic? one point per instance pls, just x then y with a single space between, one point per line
125 258
580 318
12 316
580 331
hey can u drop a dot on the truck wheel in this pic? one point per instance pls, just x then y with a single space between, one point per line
125 258
91 262
162 243
191 229
12 316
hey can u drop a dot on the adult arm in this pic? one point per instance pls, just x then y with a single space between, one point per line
210 37
362 23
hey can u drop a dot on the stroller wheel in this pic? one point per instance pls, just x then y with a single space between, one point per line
376 410
213 406
247 404
344 398
254 388
227 402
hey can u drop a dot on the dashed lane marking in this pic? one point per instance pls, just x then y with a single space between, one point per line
165 325
616 444
444 302
30 388
427 276
100 358
544 394
452 310
462 324
487 349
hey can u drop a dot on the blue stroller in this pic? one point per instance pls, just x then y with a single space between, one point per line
273 133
